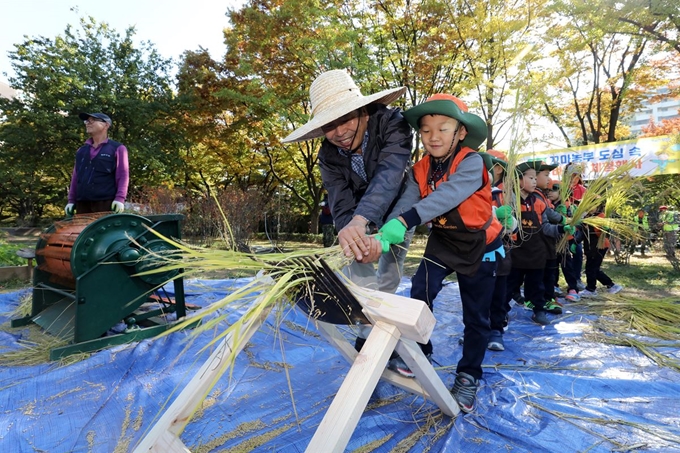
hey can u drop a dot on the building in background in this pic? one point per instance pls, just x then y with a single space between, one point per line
6 91
657 111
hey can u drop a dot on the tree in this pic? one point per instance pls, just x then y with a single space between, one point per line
603 73
85 70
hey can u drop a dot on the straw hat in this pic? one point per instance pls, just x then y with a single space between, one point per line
451 106
334 94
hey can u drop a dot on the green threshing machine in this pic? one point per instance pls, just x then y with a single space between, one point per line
86 280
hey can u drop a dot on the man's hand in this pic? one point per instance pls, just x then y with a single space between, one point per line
393 232
70 209
117 207
374 251
353 239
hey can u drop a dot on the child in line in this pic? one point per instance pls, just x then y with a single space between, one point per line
451 187
595 254
551 272
564 258
530 252
498 316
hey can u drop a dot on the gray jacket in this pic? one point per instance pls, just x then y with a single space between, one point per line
387 159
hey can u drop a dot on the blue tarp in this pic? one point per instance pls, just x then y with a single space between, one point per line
551 390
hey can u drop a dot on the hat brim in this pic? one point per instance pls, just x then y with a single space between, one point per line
476 127
547 167
524 166
312 129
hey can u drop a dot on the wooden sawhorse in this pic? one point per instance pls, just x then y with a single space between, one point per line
398 322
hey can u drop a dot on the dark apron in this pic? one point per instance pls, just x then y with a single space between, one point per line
456 246
532 252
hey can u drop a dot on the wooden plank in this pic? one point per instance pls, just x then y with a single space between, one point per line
177 416
338 340
412 317
427 376
337 426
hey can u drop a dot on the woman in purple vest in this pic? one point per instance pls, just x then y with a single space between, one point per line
101 175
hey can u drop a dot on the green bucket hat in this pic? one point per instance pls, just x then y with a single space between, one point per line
451 106
548 167
524 166
490 161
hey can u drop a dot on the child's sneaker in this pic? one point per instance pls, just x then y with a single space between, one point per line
558 291
398 365
614 289
554 307
464 391
528 305
572 296
541 318
588 293
580 286
496 341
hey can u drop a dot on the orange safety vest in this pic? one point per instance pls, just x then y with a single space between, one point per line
473 214
460 236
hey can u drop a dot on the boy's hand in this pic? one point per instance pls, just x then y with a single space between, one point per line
572 248
562 209
568 229
504 215
393 232
503 212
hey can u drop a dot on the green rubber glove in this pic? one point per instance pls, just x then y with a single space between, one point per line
569 229
383 243
562 209
572 248
393 232
503 212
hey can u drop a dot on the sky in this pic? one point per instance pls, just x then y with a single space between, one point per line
173 26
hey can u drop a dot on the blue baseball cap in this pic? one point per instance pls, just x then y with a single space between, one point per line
99 116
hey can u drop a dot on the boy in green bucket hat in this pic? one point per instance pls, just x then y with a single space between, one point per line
451 188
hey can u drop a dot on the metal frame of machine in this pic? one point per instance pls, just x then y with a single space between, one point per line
87 281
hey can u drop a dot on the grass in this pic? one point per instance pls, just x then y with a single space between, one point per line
650 276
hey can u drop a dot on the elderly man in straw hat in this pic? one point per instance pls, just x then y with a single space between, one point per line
363 159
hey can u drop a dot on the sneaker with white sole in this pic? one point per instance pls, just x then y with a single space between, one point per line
398 365
572 296
580 286
558 291
496 341
588 293
614 289
464 391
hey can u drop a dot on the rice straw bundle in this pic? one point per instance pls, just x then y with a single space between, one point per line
612 190
283 277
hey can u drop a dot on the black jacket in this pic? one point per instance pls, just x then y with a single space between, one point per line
386 159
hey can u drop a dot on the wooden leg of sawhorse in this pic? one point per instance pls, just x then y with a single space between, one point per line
426 383
337 426
164 436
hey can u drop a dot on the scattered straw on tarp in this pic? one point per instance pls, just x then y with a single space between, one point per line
644 324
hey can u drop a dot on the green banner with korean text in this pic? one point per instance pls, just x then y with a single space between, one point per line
652 156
